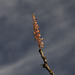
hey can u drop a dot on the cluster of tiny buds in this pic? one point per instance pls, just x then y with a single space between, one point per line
37 32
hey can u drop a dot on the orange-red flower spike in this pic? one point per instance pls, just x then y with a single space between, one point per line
37 32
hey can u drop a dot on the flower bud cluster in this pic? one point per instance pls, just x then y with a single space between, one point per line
37 32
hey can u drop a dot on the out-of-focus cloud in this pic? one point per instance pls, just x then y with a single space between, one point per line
18 50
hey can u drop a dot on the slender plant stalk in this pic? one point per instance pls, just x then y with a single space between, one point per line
40 44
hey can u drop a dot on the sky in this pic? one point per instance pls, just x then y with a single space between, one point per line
18 49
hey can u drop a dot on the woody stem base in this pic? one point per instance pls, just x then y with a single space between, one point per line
45 65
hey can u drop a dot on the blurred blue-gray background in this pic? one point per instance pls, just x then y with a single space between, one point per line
18 49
